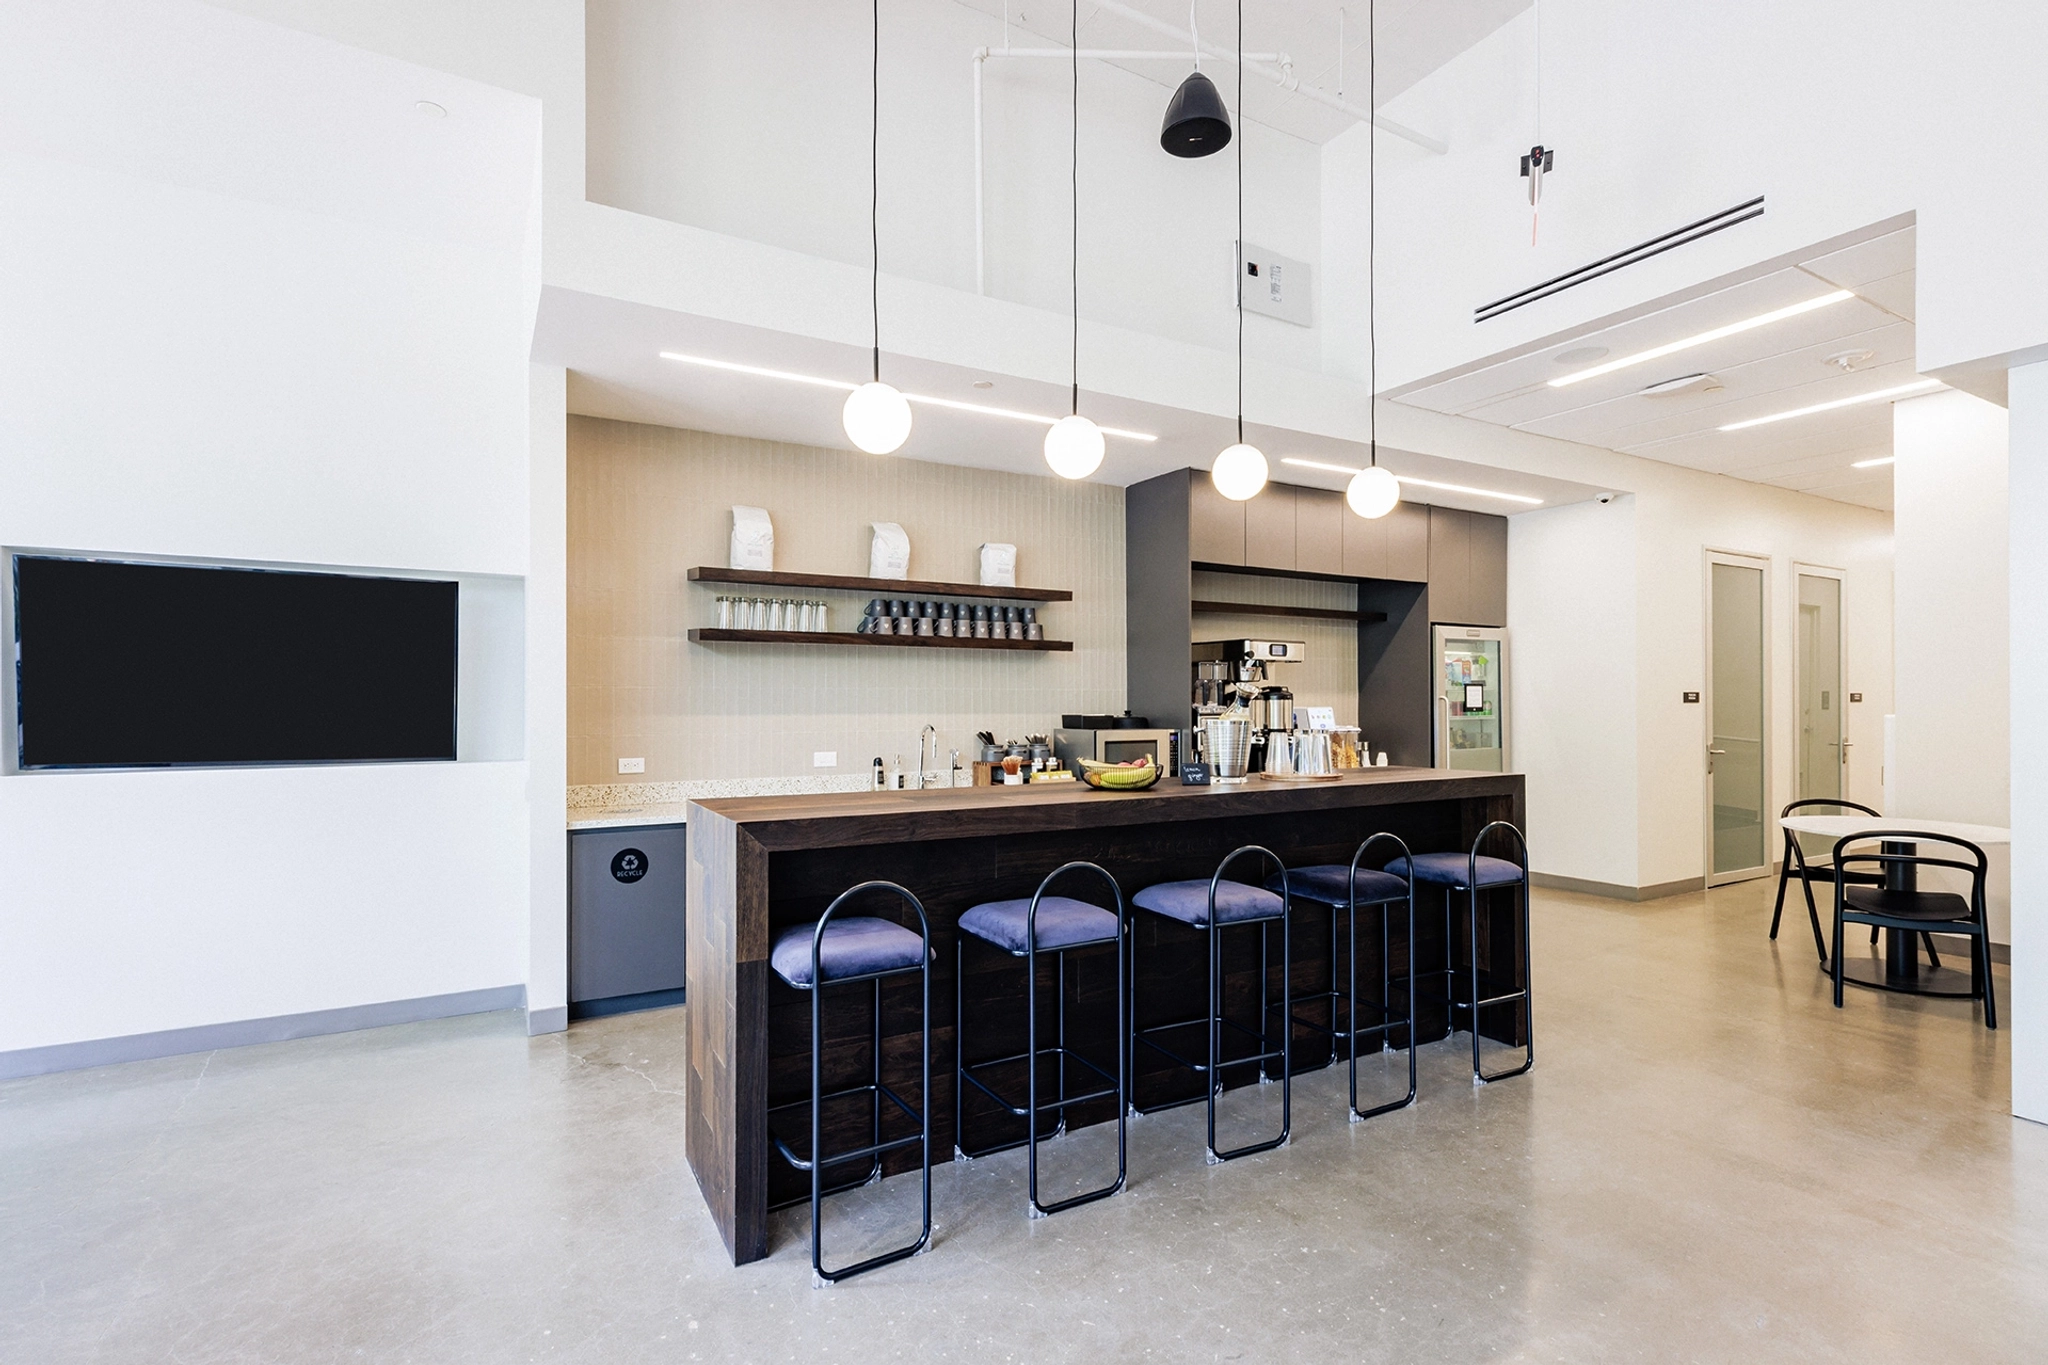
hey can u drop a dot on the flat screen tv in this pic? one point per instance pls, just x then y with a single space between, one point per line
124 665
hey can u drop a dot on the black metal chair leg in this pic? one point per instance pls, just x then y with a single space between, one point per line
1784 876
1813 917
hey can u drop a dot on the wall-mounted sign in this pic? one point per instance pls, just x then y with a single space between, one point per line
629 865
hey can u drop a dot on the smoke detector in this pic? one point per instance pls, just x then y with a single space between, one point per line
1685 383
1845 361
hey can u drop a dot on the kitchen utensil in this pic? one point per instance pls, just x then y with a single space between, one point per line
1279 752
1227 745
1313 755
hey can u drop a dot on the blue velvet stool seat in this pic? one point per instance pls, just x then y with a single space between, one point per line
1025 928
1470 873
1346 889
838 952
1209 906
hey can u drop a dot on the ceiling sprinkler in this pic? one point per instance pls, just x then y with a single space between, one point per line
1534 163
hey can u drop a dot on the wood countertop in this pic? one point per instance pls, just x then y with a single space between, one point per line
842 818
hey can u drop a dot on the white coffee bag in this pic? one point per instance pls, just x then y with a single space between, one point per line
998 566
889 553
753 540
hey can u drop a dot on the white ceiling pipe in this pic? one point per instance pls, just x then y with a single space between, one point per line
1284 78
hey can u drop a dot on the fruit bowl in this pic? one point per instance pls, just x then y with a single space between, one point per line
1119 777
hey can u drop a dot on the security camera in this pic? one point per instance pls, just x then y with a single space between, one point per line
1606 498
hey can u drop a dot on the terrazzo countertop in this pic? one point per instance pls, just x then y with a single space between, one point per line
624 805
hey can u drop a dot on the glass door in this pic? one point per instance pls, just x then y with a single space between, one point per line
1471 699
1737 826
1823 750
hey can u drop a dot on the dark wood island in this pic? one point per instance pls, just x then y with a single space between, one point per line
758 865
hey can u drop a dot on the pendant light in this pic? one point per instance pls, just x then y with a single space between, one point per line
1073 447
876 416
1372 492
1196 122
1240 471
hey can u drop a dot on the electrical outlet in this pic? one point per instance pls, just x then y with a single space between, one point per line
825 758
632 765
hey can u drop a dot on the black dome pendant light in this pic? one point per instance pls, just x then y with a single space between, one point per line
1196 123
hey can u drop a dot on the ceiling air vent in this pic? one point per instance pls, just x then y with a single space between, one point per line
1607 265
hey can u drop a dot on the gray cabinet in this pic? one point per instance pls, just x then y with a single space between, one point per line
1468 567
1215 523
1394 547
1269 528
1319 517
626 915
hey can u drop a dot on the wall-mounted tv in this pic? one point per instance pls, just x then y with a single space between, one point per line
120 664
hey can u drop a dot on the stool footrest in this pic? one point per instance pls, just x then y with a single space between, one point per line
852 1153
1509 998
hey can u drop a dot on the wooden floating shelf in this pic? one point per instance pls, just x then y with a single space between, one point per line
1310 613
881 587
847 637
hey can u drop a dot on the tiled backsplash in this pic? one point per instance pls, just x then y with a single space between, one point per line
647 503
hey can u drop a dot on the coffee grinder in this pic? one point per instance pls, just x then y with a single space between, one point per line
1226 670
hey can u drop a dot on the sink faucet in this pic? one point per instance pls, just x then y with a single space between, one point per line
931 733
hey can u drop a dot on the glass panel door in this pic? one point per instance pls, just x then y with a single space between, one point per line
1735 748
1821 754
1471 699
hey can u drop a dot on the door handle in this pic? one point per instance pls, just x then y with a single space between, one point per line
1717 751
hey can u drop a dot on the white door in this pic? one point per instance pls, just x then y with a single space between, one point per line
1823 728
1737 821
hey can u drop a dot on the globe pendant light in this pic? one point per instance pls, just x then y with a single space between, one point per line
1074 445
1372 492
1240 471
1196 122
876 416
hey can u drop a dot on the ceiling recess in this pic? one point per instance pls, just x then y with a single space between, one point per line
1607 265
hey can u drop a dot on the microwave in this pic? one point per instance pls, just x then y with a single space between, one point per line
1118 746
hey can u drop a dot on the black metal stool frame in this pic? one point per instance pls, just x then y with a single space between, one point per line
1351 1032
1119 1084
874 1088
1475 1004
1215 1022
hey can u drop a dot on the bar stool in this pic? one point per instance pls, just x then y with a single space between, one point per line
1024 929
1347 889
1208 905
843 952
1472 873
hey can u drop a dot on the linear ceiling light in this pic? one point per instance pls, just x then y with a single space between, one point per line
1882 394
1872 464
844 387
1419 483
1672 348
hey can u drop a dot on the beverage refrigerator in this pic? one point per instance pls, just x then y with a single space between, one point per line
1470 730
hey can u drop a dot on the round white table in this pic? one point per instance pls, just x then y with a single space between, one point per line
1901 969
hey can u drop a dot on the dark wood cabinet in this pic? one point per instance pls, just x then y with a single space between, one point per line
1488 594
1364 547
1319 517
1215 523
1468 567
1269 529
1407 532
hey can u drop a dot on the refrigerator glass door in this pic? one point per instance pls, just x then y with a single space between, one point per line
1471 711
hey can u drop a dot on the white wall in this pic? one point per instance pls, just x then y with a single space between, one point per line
1572 613
1953 676
274 314
2027 1010
753 120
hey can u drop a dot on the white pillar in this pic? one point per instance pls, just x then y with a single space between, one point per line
547 704
2027 1009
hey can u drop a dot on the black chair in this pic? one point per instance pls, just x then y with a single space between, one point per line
1345 890
1897 903
1210 905
1471 873
1794 864
1024 929
836 952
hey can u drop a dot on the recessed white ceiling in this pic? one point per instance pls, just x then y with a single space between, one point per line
1770 369
1416 38
612 351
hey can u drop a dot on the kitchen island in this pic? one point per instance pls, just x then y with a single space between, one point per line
758 865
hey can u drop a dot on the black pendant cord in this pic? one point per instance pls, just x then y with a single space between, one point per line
1372 227
1074 186
875 189
1239 283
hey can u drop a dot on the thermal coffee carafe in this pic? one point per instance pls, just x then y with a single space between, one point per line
1223 671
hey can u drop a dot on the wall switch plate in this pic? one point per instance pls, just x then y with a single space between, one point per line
632 765
1855 696
1275 286
825 758
1692 699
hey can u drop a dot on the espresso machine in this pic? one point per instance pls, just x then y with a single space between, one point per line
1241 671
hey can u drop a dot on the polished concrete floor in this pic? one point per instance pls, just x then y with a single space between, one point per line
1709 1163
